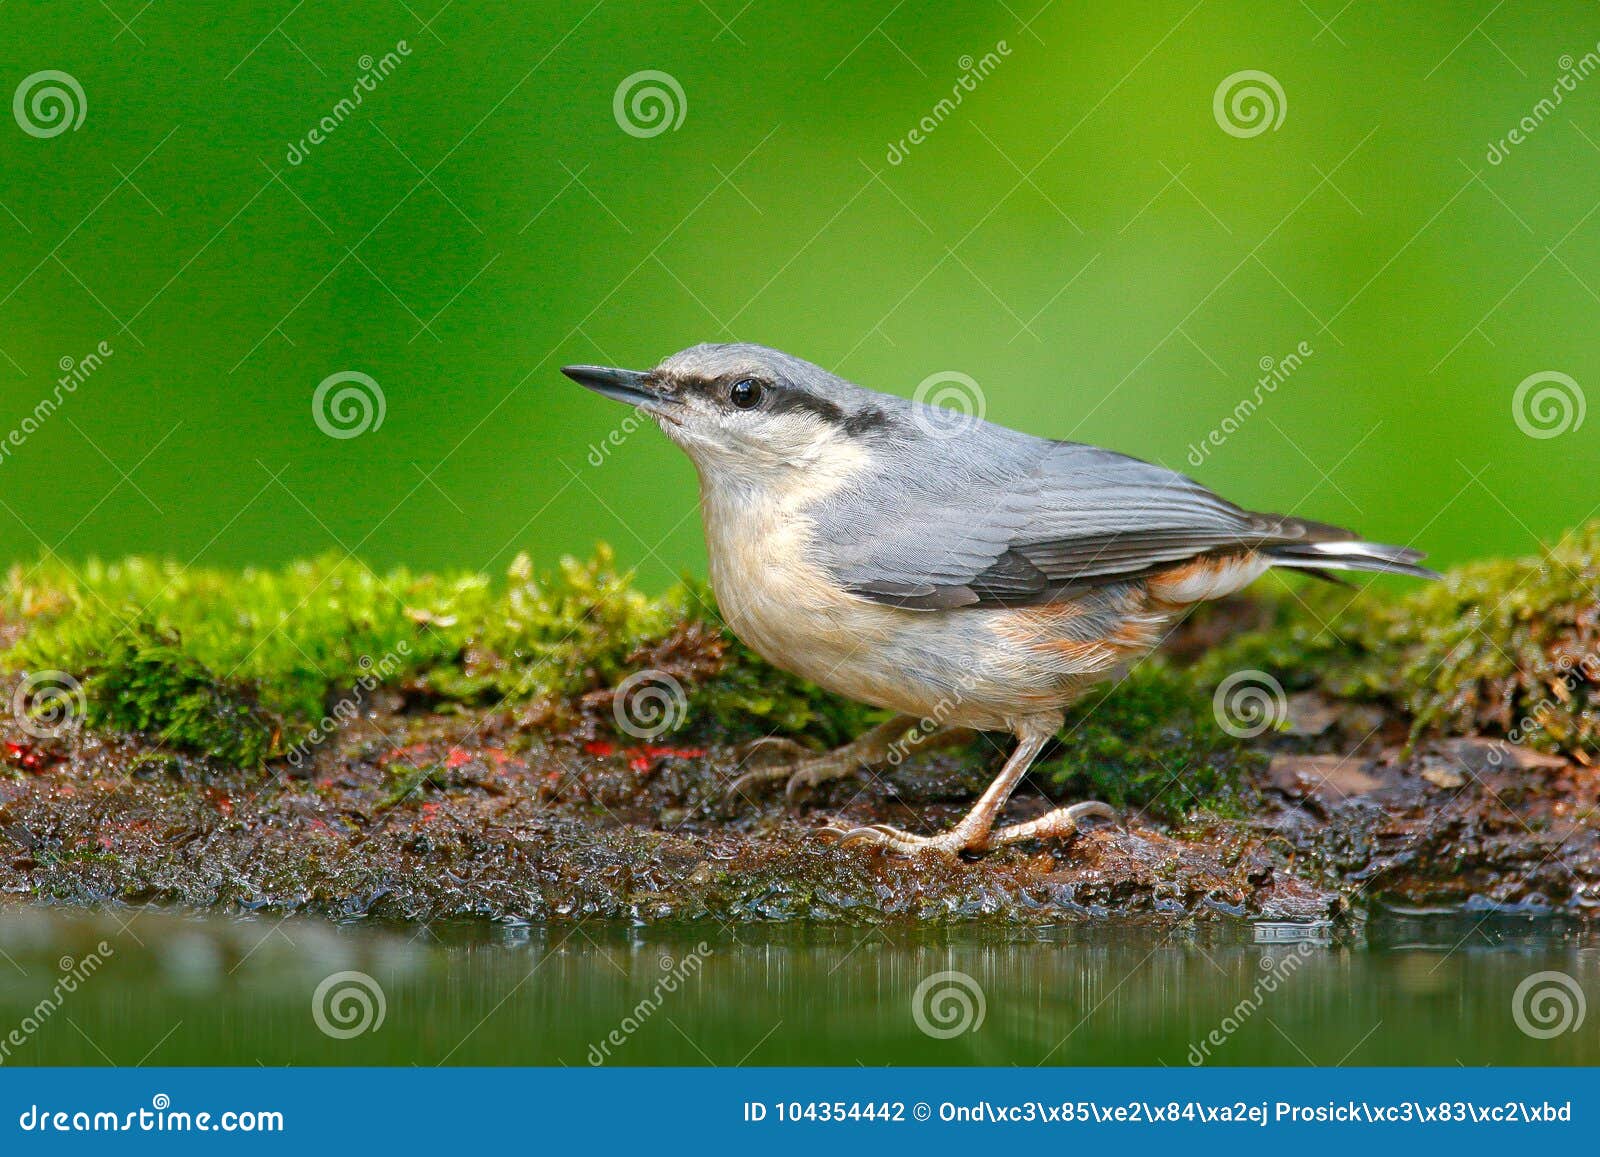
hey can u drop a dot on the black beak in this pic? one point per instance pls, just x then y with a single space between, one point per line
630 387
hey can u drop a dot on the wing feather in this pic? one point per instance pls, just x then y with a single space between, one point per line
1005 519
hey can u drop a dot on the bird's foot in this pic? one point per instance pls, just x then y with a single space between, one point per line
801 769
965 837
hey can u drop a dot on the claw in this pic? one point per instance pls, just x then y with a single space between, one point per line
799 783
1092 807
789 751
759 775
773 743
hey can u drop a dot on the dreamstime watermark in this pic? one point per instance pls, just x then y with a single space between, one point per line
648 103
673 974
1274 373
1573 72
949 403
648 704
48 704
973 73
1275 971
1249 103
373 73
947 1004
1547 1004
1548 404
348 1004
73 974
348 708
48 103
348 404
945 707
74 372
601 450
1572 675
1248 703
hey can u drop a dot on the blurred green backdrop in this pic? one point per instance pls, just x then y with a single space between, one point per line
1080 235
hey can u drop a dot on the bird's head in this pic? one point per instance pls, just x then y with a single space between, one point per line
745 411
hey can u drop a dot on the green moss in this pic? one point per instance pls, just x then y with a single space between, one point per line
143 680
1151 743
243 666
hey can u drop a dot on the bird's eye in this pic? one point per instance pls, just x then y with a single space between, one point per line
746 393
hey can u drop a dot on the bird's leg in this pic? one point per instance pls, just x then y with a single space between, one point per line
972 833
873 748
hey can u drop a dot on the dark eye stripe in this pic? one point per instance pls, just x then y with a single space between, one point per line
781 399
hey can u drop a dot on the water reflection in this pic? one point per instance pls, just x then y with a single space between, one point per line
185 990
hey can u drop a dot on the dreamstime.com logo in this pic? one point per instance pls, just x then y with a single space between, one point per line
347 1004
648 704
1548 404
648 103
1547 1004
48 704
1249 103
348 404
1248 703
49 103
947 1004
951 404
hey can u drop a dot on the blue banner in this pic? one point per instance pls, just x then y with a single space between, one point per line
795 1110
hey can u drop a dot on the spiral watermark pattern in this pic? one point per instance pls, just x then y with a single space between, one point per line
951 404
948 1004
648 103
648 704
1248 703
347 1004
1548 404
348 404
49 103
1248 103
48 704
1547 1004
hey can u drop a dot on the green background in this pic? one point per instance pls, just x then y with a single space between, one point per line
1079 236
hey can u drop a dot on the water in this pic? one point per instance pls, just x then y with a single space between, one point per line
162 989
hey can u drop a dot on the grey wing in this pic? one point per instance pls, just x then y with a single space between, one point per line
1013 521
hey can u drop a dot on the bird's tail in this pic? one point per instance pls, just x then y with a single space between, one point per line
1349 554
1318 547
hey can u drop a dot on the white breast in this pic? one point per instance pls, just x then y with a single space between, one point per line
779 601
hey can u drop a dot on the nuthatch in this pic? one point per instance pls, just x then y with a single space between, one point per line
943 567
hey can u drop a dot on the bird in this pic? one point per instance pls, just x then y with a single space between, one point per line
950 570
